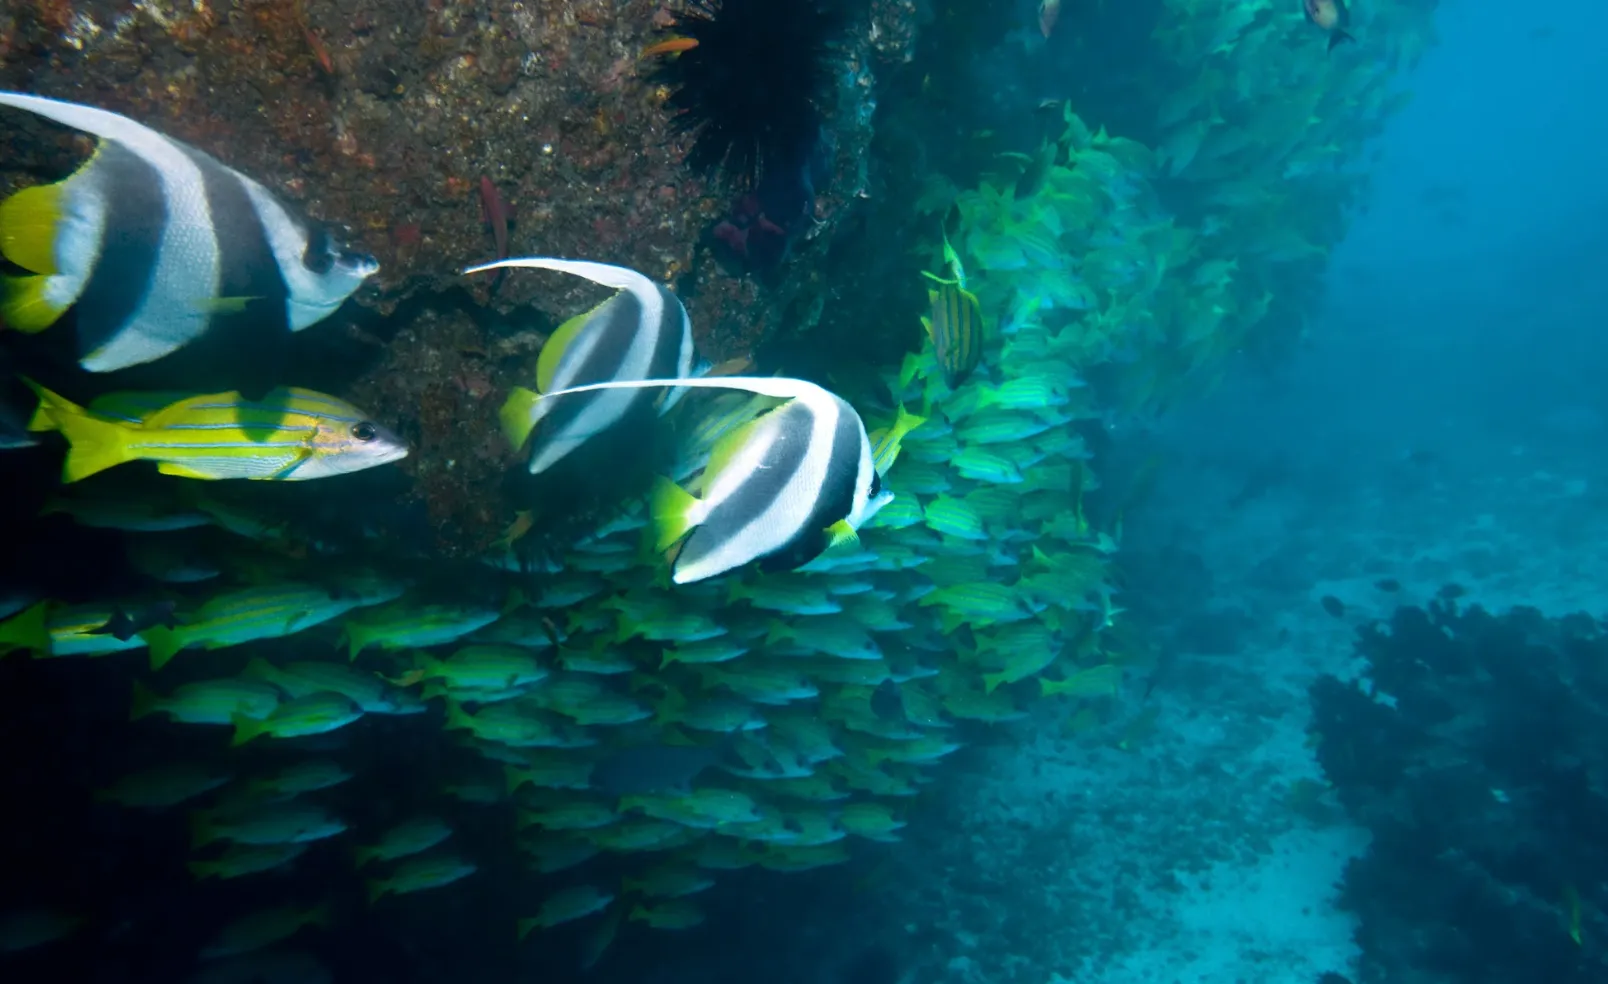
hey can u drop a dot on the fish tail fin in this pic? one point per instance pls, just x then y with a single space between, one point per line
513 778
672 509
94 444
203 869
518 415
377 888
991 682
457 717
526 925
1339 37
357 640
145 702
164 643
26 630
257 668
245 729
202 831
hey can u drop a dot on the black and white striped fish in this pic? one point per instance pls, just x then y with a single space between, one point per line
640 333
778 490
154 242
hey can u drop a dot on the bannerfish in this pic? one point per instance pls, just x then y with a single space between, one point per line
640 333
778 490
155 242
1332 16
289 435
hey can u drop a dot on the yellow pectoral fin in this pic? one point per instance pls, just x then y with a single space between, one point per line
517 415
840 533
24 305
28 223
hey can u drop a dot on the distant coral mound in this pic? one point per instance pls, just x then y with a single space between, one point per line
1476 752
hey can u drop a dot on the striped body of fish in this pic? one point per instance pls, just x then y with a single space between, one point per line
956 329
779 489
290 434
263 612
640 333
155 243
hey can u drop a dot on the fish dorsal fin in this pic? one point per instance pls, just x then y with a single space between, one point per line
101 122
778 387
553 352
618 277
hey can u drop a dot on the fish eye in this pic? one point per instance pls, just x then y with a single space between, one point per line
365 431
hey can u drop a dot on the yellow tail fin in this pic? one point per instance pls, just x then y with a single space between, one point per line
95 444
245 729
26 630
145 703
670 505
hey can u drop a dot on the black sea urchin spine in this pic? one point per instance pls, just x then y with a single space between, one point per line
753 91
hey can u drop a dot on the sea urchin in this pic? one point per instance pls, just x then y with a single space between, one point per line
751 89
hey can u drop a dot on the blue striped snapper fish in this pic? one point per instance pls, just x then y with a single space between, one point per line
956 329
270 611
289 435
780 490
155 242
640 333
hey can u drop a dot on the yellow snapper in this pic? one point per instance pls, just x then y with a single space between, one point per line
315 714
264 612
162 787
245 859
419 873
406 838
264 928
207 701
956 329
365 688
46 629
289 435
155 243
674 914
289 822
565 906
411 624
